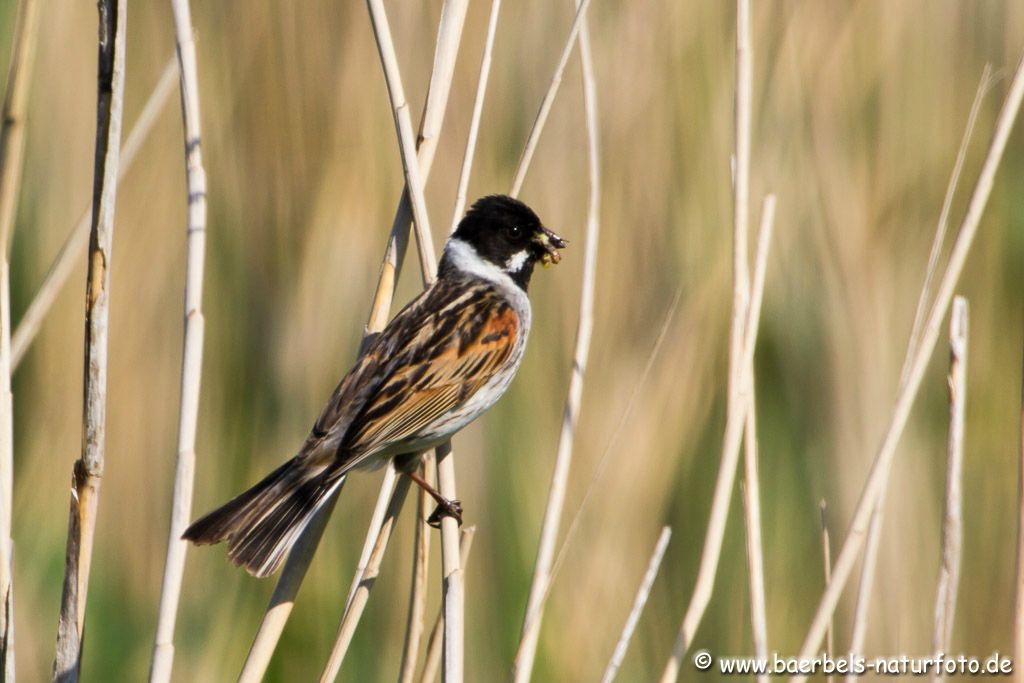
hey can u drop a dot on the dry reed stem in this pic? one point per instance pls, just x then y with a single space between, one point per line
952 526
298 561
380 510
283 598
862 608
638 606
448 41
406 137
12 151
864 590
474 122
549 98
414 622
522 665
354 613
432 661
879 469
752 489
387 489
88 469
947 203
78 238
453 594
826 563
192 351
729 458
739 335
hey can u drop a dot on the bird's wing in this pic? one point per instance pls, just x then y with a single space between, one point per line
432 357
453 355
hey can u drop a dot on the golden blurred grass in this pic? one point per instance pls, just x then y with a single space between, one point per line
858 111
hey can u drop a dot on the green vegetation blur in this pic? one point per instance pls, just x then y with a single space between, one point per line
859 108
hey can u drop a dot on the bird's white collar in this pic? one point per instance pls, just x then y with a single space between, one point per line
465 258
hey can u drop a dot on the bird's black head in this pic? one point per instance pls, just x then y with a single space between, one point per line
506 234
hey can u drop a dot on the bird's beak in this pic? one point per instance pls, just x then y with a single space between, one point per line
550 243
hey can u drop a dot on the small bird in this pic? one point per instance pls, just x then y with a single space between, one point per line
441 362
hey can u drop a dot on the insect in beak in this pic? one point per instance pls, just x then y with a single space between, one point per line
550 243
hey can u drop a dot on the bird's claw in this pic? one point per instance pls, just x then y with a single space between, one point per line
449 508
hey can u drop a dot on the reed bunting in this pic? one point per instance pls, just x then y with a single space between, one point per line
440 363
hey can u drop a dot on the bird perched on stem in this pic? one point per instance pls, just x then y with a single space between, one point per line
441 362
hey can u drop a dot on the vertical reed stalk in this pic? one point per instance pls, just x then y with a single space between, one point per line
88 470
867 573
432 661
522 666
752 488
192 353
952 526
826 563
474 123
743 335
12 151
929 336
414 622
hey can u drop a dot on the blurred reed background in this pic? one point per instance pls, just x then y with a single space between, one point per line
858 111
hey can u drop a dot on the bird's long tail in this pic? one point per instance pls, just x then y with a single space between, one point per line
261 524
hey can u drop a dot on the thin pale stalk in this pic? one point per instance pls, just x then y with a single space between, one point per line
12 152
943 223
298 561
952 527
406 137
88 469
865 587
740 307
449 37
755 553
474 122
752 488
418 584
78 238
861 614
192 352
12 131
905 399
549 99
741 199
734 429
283 598
826 563
453 596
432 661
639 601
354 613
387 489
522 665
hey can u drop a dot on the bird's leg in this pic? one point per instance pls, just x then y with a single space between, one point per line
445 507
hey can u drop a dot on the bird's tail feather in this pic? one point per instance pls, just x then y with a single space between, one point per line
261 524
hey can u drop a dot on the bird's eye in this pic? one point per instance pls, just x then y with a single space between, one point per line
514 232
